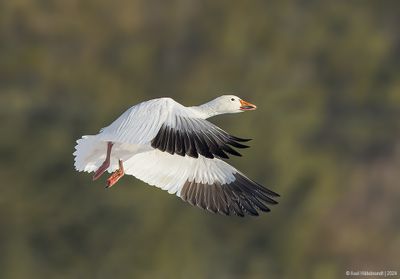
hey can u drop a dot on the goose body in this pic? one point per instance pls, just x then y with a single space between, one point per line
175 148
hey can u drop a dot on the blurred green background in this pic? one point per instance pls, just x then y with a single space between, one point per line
324 74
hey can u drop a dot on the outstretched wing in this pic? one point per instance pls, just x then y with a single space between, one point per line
195 136
170 127
210 184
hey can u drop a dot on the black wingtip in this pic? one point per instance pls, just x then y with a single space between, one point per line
272 193
239 139
238 145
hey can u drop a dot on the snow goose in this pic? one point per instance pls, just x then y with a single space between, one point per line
175 148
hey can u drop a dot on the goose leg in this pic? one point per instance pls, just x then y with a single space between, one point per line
116 175
105 164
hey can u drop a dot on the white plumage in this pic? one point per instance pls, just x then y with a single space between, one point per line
173 147
170 172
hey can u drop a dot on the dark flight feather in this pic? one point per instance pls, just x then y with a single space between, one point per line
240 197
196 136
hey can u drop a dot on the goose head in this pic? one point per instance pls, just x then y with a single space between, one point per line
230 104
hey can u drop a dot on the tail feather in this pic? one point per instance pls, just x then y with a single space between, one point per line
89 153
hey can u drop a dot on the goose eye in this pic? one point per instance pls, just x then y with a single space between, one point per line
232 99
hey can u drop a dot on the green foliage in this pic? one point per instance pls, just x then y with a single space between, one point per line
325 76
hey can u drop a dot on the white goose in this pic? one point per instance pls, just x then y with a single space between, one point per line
173 147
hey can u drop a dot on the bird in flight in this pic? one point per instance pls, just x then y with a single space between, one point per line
175 148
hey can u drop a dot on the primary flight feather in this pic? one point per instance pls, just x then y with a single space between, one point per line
175 148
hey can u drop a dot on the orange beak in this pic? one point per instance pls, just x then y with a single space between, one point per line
247 106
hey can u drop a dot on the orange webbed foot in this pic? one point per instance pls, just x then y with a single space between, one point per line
117 175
